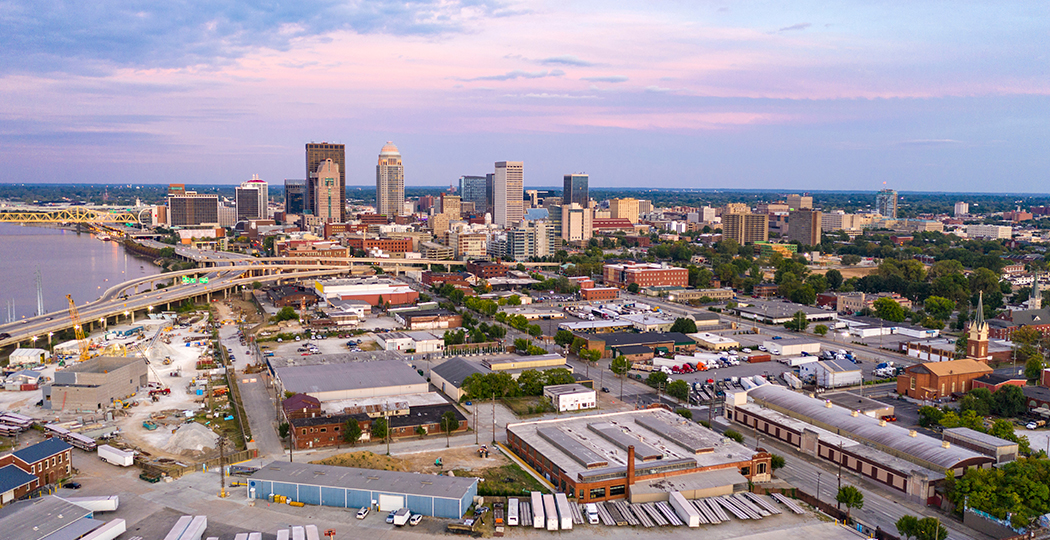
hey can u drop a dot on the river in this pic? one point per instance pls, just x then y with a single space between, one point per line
78 264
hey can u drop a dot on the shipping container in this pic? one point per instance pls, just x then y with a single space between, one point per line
685 510
538 519
512 512
550 511
564 513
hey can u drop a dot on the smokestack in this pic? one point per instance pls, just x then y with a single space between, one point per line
630 465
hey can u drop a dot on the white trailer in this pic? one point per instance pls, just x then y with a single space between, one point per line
195 531
538 520
109 531
312 534
685 510
180 527
400 518
550 511
564 513
116 456
284 534
512 512
255 536
96 504
796 361
298 533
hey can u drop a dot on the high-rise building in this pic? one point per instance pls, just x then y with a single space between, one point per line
316 154
645 207
576 223
253 209
450 205
745 228
804 226
624 209
799 202
390 182
532 239
961 209
508 185
886 203
575 190
294 196
176 189
474 189
191 208
328 199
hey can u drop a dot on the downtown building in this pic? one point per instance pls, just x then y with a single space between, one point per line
645 275
745 227
804 226
252 198
886 203
575 190
189 208
316 155
508 193
328 198
390 182
294 196
474 189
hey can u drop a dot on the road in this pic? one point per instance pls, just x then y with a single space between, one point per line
257 396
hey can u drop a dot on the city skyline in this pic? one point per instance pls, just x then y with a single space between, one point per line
809 97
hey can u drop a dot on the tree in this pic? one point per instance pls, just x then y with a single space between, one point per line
1009 401
514 300
449 423
684 325
798 322
1026 335
907 527
777 462
619 365
888 309
678 389
930 416
850 497
684 413
534 330
1033 367
820 330
421 431
961 345
521 346
531 382
736 436
834 278
558 376
379 428
563 338
930 528
656 378
287 313
633 288
850 260
284 429
939 307
352 431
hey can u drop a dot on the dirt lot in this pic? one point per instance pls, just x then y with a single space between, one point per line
849 271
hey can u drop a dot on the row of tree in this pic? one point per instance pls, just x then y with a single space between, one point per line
503 385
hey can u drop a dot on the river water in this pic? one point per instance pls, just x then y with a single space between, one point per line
78 264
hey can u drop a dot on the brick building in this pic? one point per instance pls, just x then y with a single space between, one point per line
429 319
388 245
645 275
487 269
660 342
934 380
47 462
291 295
327 430
301 406
596 294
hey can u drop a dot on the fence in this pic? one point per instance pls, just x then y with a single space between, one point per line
829 509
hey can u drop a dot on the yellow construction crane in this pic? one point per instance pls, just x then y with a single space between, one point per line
78 328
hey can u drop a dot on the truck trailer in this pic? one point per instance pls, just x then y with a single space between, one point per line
115 456
550 510
564 513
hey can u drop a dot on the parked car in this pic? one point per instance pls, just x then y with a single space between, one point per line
71 485
890 418
606 390
362 513
415 519
390 517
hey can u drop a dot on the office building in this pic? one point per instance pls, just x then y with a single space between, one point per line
294 196
799 202
390 182
450 206
507 193
992 232
804 227
576 223
532 239
645 275
575 190
176 189
745 228
961 209
252 198
327 197
474 189
316 154
886 203
624 209
192 208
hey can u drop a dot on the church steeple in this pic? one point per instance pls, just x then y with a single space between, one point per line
977 337
1036 300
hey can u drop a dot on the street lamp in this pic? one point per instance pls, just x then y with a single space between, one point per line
818 486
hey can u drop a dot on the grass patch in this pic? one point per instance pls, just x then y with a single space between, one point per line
364 460
505 481
528 405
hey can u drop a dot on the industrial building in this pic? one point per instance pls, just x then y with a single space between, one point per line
571 397
602 457
449 376
429 319
675 342
368 289
351 380
714 342
95 384
902 459
831 373
539 361
792 346
645 275
402 421
28 357
419 342
347 487
53 518
770 312
1001 449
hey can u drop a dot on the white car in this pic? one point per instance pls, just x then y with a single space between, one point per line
747 351
762 348
415 519
362 513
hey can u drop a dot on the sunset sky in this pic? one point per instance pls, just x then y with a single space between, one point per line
931 96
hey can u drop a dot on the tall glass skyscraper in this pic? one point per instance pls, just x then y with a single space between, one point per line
886 203
316 154
575 190
294 196
475 189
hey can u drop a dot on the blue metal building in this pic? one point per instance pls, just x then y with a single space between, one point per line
348 487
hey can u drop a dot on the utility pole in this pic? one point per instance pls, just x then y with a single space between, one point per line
838 504
476 442
222 469
493 419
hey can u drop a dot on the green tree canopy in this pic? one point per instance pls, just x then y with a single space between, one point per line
888 309
678 389
850 497
798 322
351 431
939 307
379 428
684 325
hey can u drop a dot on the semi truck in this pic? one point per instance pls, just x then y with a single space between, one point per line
115 456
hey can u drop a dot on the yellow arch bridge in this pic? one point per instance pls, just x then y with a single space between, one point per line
73 214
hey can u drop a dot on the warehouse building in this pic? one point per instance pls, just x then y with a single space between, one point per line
351 380
347 487
95 384
28 357
902 459
660 342
714 342
831 373
771 312
571 397
1001 449
792 346
429 319
418 342
602 457
539 361
402 421
449 376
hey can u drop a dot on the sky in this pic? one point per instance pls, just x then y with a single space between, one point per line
802 95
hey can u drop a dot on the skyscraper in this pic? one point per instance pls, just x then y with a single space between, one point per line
257 209
805 227
508 185
745 228
328 198
886 203
575 223
390 182
294 196
191 208
799 202
317 153
474 189
575 190
624 209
